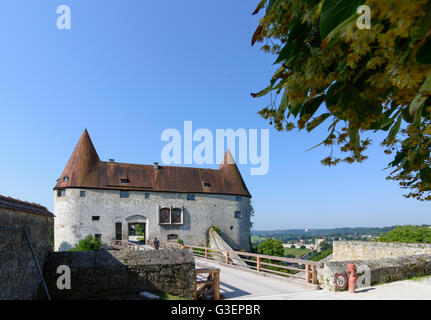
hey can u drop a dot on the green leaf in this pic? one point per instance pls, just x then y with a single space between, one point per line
318 121
394 130
294 110
423 55
406 115
334 92
262 92
270 3
310 107
287 52
398 158
424 23
424 93
335 12
330 39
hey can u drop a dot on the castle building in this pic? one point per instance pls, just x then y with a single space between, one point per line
110 200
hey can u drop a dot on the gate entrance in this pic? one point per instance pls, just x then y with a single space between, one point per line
137 231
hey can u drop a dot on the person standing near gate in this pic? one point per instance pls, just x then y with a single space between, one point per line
156 243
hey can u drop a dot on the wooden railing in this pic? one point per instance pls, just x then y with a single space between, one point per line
127 245
281 266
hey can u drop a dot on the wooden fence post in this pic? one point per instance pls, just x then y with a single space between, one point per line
227 257
216 285
206 253
314 275
307 273
258 264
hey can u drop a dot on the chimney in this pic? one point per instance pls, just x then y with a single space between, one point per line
156 166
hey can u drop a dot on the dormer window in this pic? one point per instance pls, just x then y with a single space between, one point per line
207 184
124 181
66 178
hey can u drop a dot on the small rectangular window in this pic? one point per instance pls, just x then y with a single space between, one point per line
123 181
98 236
207 184
82 194
61 193
95 218
147 195
124 194
172 237
238 198
238 214
190 196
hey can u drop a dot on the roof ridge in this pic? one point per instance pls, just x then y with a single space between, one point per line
18 201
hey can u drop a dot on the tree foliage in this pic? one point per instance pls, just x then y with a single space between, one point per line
354 80
89 243
407 234
271 247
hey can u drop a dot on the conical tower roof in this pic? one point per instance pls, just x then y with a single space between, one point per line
232 176
81 169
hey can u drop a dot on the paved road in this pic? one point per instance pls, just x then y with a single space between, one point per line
237 284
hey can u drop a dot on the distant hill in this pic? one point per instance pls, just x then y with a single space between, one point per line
309 233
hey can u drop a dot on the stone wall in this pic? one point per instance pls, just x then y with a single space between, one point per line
375 271
19 278
74 216
100 274
364 250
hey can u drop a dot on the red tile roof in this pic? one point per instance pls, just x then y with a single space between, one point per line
19 205
85 170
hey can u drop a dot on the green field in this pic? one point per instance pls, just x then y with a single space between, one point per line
257 238
296 251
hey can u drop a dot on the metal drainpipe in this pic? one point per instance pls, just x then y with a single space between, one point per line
33 254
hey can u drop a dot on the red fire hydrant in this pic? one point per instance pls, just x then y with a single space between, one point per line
352 278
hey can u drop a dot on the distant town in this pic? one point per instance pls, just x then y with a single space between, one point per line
316 244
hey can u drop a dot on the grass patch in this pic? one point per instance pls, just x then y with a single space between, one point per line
168 296
419 278
296 252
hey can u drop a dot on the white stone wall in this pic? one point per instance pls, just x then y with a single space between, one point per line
366 250
73 216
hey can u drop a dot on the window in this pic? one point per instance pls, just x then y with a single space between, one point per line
190 196
124 194
176 216
66 178
207 184
82 194
98 236
238 198
165 215
238 214
95 218
147 195
171 216
123 181
172 237
61 193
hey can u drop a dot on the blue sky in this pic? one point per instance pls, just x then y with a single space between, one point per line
130 69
